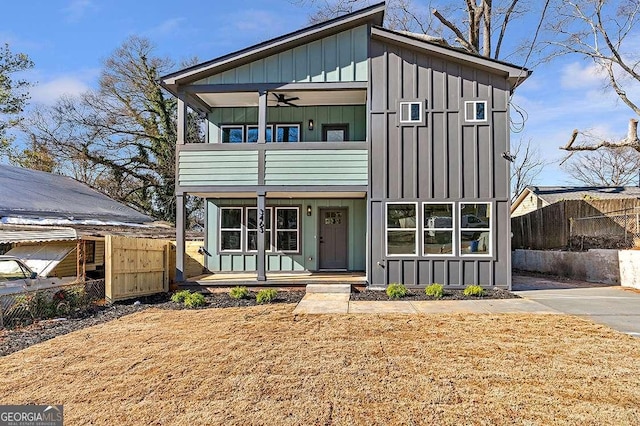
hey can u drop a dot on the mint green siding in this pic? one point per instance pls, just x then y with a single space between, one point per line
307 259
317 167
353 115
336 58
217 168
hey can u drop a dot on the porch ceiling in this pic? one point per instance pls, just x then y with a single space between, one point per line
280 195
306 98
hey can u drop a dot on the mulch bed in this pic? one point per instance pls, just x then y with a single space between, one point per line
418 294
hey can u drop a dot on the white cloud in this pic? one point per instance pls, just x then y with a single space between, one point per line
48 93
77 9
577 76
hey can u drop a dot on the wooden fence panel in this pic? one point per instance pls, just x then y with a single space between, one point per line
135 267
194 261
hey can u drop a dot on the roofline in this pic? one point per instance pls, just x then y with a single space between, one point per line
519 199
373 14
515 74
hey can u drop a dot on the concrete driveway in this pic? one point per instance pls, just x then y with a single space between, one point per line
614 306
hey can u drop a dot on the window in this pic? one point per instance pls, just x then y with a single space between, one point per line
10 270
252 134
410 112
231 229
89 251
232 134
402 238
252 228
438 228
475 111
475 228
287 229
335 132
287 133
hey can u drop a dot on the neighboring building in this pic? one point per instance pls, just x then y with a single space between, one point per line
535 197
49 220
346 146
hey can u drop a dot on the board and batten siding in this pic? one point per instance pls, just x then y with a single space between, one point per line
316 167
353 115
307 259
340 57
447 159
218 168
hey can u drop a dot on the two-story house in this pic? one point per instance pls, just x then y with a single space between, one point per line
345 146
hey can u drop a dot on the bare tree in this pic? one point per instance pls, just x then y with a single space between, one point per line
526 167
478 26
120 138
605 167
604 32
13 93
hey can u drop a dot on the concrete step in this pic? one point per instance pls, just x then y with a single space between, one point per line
329 288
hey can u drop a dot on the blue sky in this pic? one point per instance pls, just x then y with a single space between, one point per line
68 39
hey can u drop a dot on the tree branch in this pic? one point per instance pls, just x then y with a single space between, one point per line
459 36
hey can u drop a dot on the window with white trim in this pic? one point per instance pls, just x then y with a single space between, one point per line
287 229
231 229
475 111
252 133
411 112
252 229
287 133
438 225
402 229
475 228
232 134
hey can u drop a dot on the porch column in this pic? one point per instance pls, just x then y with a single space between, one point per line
181 214
262 116
182 119
261 264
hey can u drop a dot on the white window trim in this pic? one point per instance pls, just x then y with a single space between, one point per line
274 135
452 229
410 121
221 229
474 119
489 230
276 229
232 126
269 248
255 126
387 229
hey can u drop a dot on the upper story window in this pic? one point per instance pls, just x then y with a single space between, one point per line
411 112
287 133
232 134
475 111
252 134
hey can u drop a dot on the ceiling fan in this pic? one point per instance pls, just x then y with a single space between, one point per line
282 99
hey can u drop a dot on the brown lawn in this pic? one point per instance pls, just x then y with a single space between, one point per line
263 365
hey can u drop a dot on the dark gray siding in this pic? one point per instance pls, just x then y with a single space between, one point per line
446 159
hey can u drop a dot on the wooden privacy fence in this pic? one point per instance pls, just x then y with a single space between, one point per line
550 227
135 267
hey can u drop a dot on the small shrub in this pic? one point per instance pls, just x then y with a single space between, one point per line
434 290
396 291
239 293
180 296
266 296
474 290
194 300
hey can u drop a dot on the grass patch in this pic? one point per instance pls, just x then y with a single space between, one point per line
228 366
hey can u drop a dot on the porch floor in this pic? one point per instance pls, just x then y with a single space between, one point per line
279 279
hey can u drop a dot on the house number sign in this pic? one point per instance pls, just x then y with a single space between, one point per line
261 221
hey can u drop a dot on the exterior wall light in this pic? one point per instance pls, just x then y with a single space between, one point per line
308 210
310 124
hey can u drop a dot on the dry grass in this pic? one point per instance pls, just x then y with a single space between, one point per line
263 365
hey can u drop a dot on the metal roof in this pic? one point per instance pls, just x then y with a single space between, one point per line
18 234
34 194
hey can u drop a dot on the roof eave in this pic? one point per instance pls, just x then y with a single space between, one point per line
515 75
371 15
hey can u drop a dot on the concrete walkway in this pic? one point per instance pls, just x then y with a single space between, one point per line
333 303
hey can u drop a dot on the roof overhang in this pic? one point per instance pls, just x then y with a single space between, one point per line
373 15
20 234
515 75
